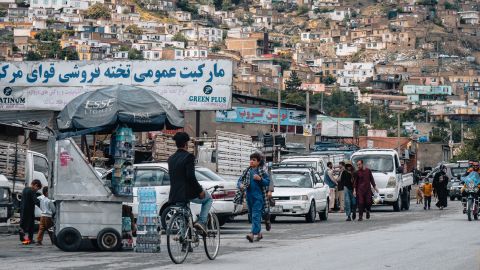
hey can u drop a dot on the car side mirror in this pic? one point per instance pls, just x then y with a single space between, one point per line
319 185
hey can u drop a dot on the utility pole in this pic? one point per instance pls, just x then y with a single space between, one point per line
307 138
321 103
461 130
398 134
450 143
279 104
369 114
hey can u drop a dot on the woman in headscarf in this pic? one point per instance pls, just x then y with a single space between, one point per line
440 182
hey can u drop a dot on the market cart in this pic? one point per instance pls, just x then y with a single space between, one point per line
88 207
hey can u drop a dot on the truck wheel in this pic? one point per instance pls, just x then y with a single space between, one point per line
109 240
397 205
406 200
69 239
312 213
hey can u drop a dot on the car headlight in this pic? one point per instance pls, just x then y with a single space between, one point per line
299 198
4 194
392 182
452 188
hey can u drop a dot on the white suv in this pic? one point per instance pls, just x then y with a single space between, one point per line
156 175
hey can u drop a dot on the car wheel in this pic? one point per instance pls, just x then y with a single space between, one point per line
397 205
69 239
222 220
272 218
312 213
166 216
109 240
406 200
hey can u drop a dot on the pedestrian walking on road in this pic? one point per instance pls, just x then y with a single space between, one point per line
255 182
427 190
27 211
332 183
340 187
440 182
347 180
363 190
46 221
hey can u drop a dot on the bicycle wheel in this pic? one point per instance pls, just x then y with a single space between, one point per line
211 241
178 242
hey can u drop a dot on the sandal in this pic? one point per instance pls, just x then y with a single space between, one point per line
250 238
259 237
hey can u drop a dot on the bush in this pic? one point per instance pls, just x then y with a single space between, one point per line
301 10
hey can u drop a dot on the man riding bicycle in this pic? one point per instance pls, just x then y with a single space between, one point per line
184 186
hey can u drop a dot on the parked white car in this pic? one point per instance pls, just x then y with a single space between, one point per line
156 175
299 191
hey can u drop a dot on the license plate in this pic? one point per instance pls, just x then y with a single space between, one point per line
276 209
3 212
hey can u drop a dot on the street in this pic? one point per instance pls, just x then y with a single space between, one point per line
415 239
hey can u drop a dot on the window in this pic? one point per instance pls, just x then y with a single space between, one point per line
40 164
151 178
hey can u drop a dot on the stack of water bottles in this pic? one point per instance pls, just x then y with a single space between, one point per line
148 236
124 153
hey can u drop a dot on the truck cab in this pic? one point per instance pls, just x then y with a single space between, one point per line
393 185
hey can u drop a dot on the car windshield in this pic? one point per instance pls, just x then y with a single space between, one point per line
151 178
456 172
292 179
204 174
312 164
376 163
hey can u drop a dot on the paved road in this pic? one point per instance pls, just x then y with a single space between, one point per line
415 239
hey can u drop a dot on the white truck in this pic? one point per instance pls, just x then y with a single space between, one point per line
319 162
19 167
393 184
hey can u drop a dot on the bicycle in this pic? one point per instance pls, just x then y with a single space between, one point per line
182 237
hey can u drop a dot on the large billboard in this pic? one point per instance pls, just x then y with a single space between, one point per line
261 116
189 85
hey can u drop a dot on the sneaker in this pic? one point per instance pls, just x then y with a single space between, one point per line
349 219
424 208
259 237
249 238
201 228
368 215
360 219
354 216
39 243
268 226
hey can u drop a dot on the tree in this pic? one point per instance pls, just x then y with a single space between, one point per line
134 29
33 56
69 53
302 10
98 11
294 83
180 38
216 48
48 44
296 98
330 80
134 54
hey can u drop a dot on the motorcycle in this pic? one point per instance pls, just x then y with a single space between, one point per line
470 198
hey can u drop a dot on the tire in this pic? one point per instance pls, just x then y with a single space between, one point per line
69 239
397 205
273 218
176 232
222 221
406 200
211 242
469 209
324 215
166 216
109 239
452 198
312 213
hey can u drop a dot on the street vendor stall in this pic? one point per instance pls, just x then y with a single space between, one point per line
88 207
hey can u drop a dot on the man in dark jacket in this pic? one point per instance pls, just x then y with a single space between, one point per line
27 211
184 186
440 182
363 189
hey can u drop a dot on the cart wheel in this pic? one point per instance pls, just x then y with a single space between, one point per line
69 239
109 240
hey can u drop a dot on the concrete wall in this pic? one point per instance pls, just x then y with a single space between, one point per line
430 154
